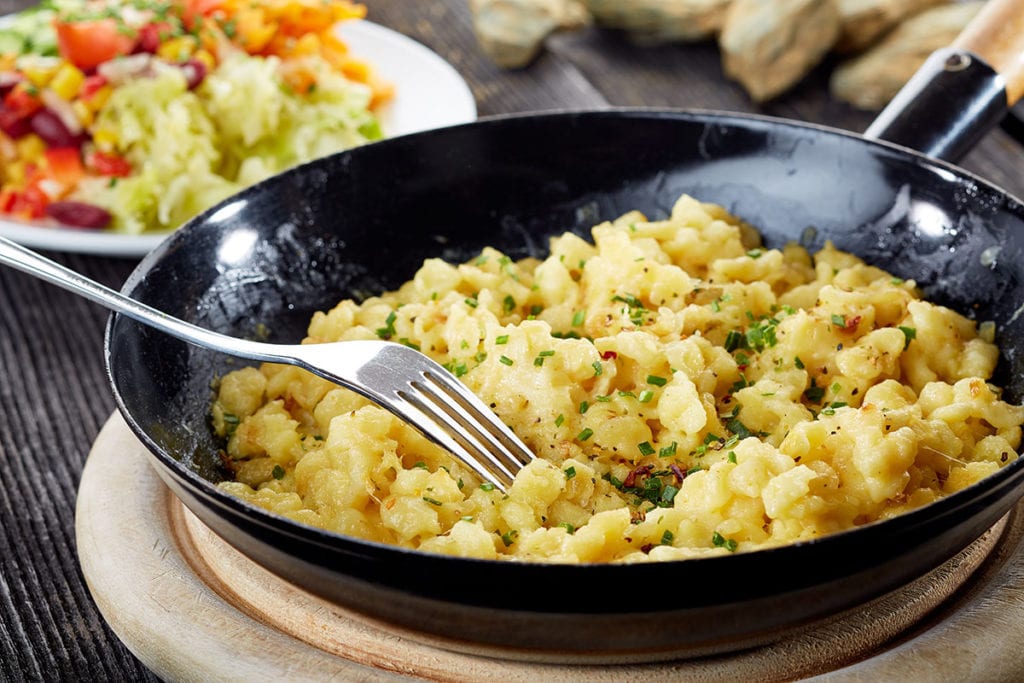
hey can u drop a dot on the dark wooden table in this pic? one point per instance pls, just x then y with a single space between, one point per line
53 390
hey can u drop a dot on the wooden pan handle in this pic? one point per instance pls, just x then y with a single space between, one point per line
997 36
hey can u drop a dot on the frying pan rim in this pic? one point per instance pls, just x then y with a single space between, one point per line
945 507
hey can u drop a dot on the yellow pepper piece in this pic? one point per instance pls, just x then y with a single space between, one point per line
38 74
67 81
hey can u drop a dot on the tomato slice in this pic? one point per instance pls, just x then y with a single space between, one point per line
23 100
87 44
30 203
193 11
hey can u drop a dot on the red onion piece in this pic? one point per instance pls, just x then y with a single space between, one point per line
195 73
79 214
62 108
49 126
9 79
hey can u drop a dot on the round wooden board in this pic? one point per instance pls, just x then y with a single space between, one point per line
194 609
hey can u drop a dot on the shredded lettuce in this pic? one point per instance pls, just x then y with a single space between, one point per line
190 149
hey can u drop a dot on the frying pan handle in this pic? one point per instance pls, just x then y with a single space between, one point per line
962 91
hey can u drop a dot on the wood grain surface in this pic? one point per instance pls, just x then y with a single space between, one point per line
54 395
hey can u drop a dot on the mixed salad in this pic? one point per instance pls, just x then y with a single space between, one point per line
134 115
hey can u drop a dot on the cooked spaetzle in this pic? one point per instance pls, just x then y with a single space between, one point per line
688 391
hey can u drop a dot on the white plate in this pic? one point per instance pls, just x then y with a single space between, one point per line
429 93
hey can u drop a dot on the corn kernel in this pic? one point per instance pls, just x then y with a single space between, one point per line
105 140
30 147
206 58
177 50
308 44
83 112
15 173
99 98
67 81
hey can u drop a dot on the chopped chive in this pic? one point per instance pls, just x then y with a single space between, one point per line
584 407
505 360
839 320
472 303
432 501
559 420
645 396
578 318
487 486
666 538
598 368
585 434
668 451
909 333
755 253
646 448
570 472
278 472
720 541
501 339
509 537
798 363
508 304
732 457
668 495
656 381
568 527
388 330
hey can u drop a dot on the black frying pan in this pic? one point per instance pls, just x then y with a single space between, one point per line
363 221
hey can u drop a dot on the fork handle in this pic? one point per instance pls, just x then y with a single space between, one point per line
37 265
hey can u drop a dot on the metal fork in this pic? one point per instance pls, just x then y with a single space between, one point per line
396 377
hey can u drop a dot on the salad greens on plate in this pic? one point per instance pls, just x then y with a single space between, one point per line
132 116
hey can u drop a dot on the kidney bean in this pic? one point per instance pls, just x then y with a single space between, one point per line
13 125
78 214
52 130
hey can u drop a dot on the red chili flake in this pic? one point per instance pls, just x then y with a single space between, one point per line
641 470
608 355
851 323
678 471
646 548
225 460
